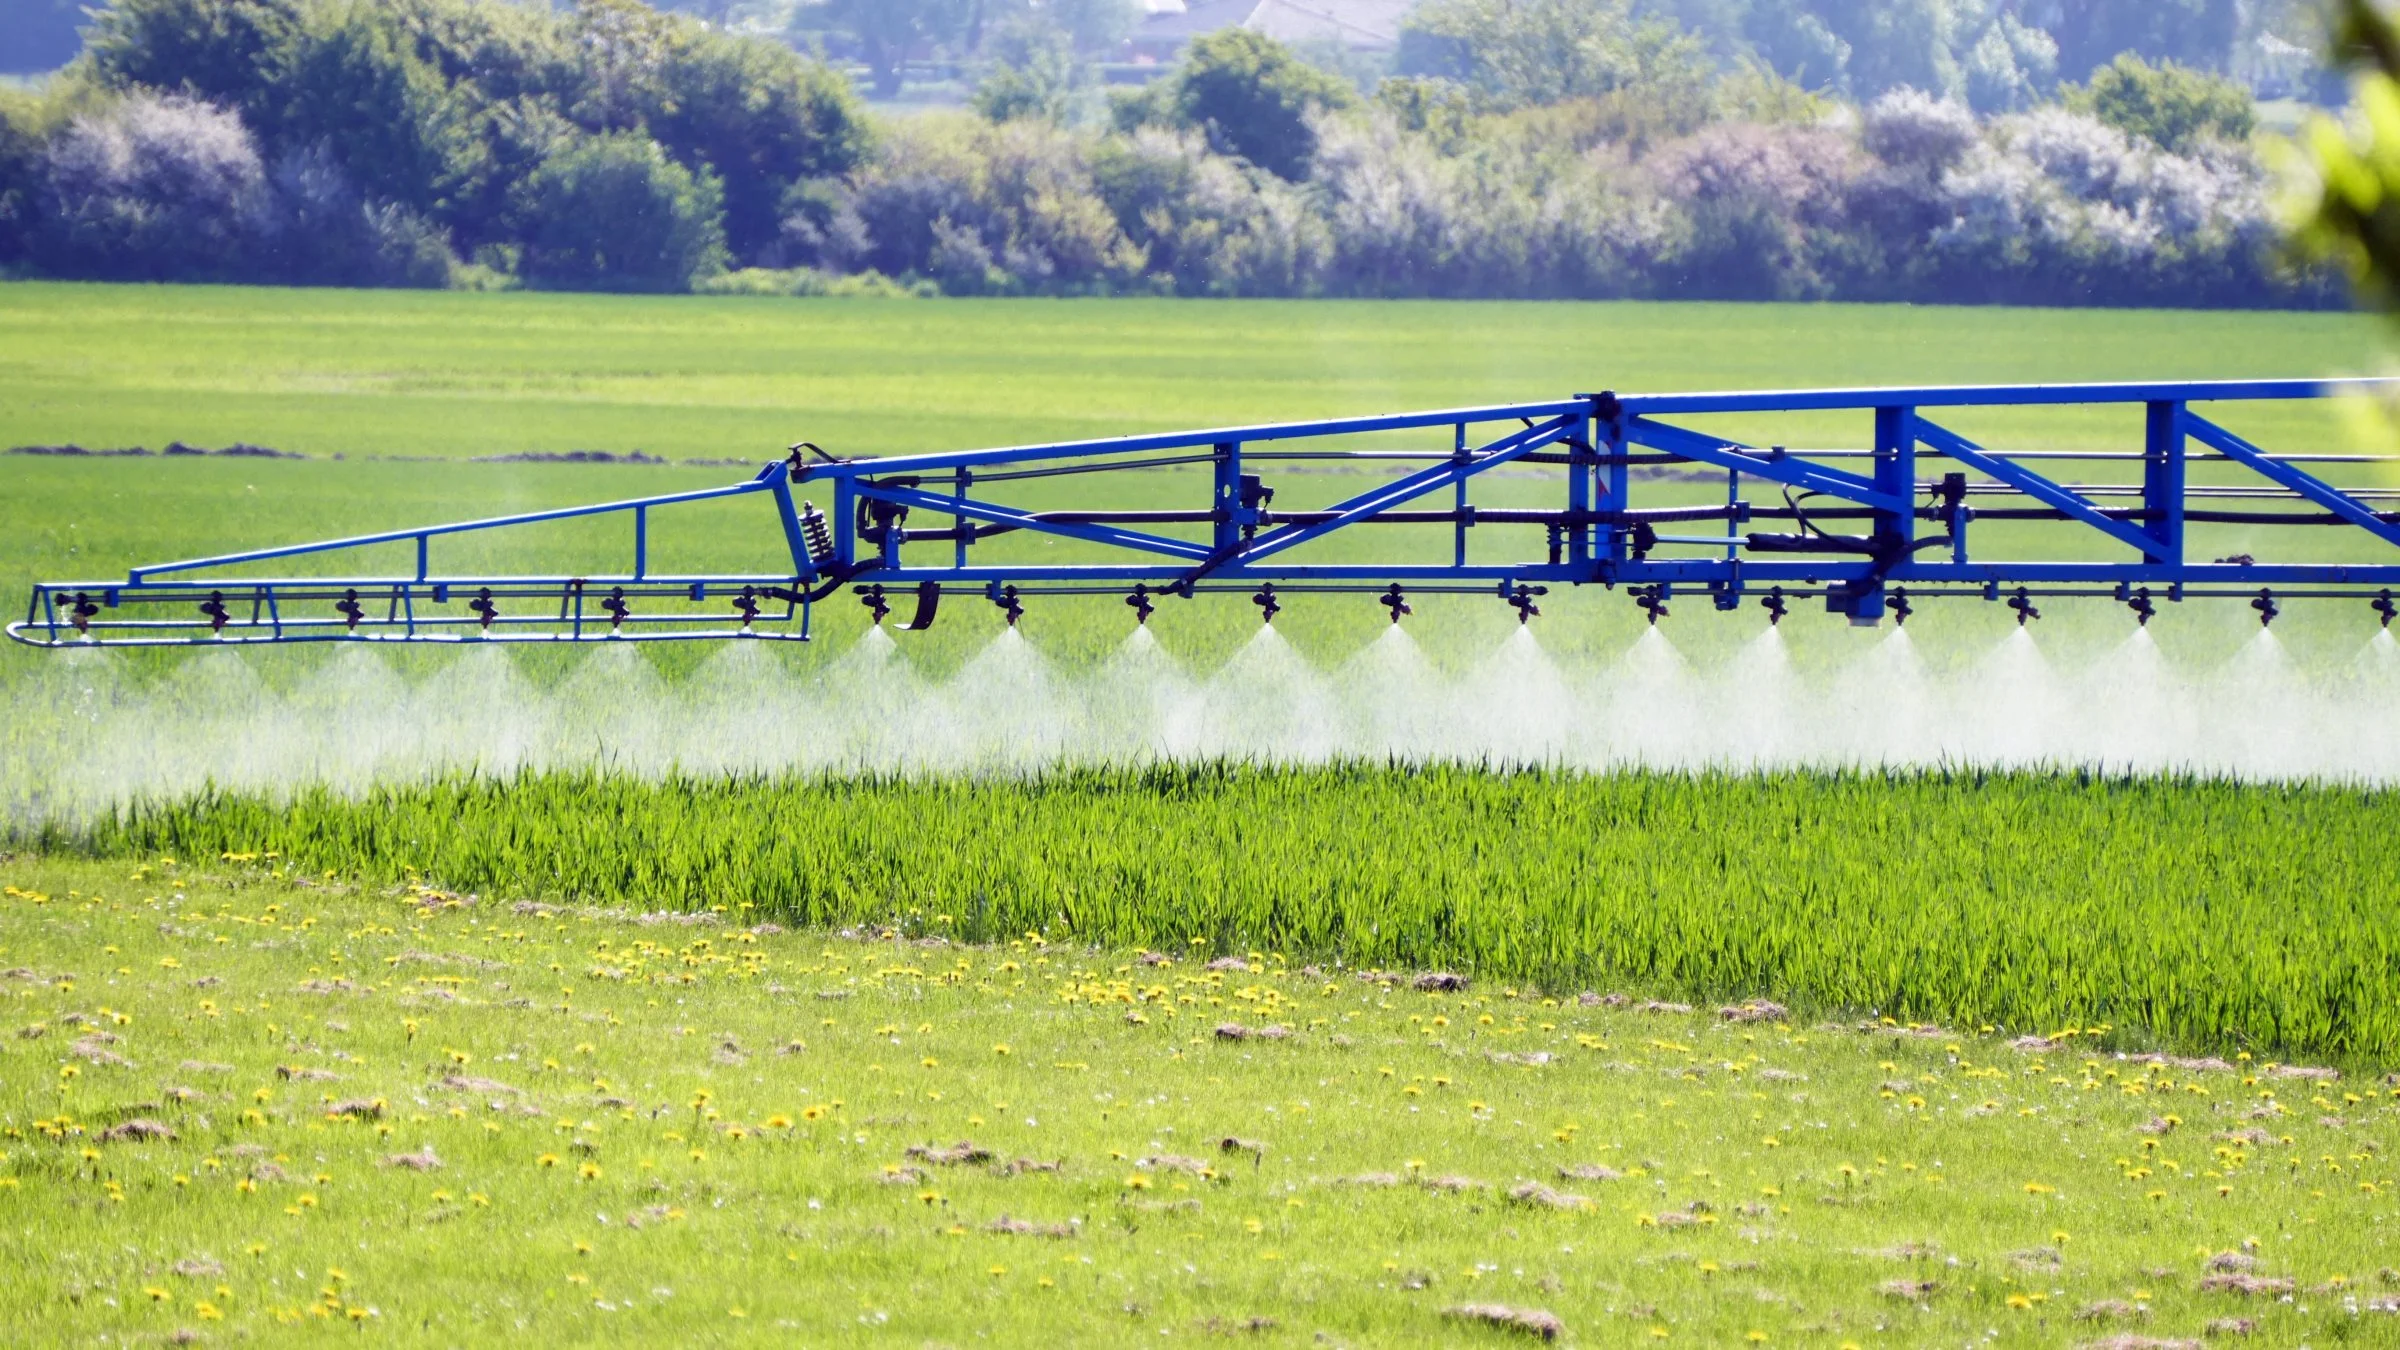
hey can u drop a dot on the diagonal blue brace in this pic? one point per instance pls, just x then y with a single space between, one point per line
1008 515
2307 485
2035 486
1417 484
1798 473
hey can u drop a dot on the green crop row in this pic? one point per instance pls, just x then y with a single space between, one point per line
2203 913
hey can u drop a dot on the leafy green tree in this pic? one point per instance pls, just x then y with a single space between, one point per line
1252 96
1091 27
1521 53
1442 111
2091 33
233 53
1034 74
616 212
354 79
20 150
2173 106
1094 25
759 115
888 31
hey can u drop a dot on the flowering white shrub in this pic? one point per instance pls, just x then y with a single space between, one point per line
154 188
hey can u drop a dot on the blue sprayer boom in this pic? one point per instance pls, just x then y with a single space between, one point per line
1872 530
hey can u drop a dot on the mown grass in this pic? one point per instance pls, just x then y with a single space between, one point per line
240 1104
2211 915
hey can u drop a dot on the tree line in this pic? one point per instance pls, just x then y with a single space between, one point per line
1542 148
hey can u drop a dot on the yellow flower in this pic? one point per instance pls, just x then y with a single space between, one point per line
2038 1188
546 1160
1137 1182
590 1171
779 1122
207 1311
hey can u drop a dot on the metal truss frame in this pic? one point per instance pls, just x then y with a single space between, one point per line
1912 539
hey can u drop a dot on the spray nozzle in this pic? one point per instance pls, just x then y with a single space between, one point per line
1521 600
1392 601
872 598
2266 607
618 611
84 610
2383 607
214 608
746 605
1775 606
1268 605
2142 606
1653 600
2022 603
483 608
1143 605
1900 607
350 610
1009 605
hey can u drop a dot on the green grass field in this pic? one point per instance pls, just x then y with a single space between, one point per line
325 372
240 1106
1797 1179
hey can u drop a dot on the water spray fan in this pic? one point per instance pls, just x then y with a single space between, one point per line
1874 530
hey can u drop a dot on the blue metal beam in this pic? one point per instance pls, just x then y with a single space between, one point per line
2307 485
424 532
1378 500
1025 520
2032 485
1991 396
1120 445
1786 469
